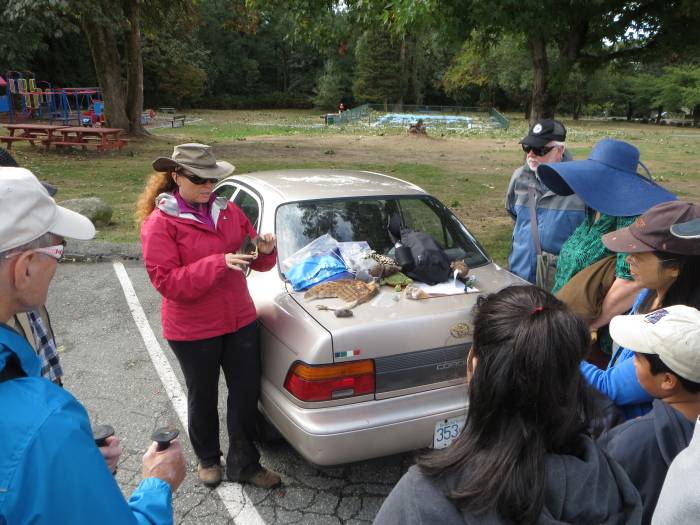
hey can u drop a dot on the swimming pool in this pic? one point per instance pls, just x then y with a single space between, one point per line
405 119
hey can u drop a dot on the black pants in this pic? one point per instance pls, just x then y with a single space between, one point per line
238 355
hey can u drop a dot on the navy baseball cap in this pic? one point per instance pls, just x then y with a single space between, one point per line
543 132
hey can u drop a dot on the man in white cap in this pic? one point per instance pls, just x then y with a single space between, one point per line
50 468
666 345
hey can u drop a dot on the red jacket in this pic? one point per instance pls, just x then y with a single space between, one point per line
202 297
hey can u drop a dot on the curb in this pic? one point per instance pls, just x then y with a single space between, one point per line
93 251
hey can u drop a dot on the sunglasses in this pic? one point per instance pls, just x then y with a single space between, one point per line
540 152
195 179
55 251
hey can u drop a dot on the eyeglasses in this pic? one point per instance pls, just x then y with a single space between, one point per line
633 259
540 152
55 251
195 179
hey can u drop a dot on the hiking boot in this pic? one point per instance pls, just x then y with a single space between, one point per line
262 478
209 476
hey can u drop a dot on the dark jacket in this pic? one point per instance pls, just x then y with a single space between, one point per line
586 490
645 447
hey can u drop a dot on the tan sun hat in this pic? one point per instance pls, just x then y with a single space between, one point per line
28 212
198 159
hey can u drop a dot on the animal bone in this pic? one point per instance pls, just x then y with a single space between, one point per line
413 292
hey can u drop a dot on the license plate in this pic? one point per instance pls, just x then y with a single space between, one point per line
447 430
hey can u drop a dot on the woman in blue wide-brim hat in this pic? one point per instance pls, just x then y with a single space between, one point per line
615 195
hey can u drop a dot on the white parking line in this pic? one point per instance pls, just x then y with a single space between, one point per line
237 502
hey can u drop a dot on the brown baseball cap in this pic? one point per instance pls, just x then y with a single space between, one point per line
652 231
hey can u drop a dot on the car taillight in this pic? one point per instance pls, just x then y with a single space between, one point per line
326 382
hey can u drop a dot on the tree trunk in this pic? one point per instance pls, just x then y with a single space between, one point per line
284 57
541 101
696 115
402 80
630 111
659 111
134 97
107 62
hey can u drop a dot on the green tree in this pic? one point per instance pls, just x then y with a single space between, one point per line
560 35
486 70
333 86
113 32
678 88
378 75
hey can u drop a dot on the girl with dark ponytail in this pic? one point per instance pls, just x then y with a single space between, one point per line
523 456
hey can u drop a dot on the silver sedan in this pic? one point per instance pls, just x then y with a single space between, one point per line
390 378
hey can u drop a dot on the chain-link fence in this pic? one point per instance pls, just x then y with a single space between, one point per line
447 118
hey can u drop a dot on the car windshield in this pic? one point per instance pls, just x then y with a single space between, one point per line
366 219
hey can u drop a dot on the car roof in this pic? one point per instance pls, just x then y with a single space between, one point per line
312 184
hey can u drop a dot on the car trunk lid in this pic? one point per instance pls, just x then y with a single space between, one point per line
415 344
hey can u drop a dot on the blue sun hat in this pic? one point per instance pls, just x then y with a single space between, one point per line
607 181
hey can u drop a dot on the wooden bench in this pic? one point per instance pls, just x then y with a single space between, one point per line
103 139
178 121
10 140
28 132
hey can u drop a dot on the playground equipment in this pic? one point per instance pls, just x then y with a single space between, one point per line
22 97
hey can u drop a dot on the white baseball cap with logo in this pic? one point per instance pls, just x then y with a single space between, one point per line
27 212
672 333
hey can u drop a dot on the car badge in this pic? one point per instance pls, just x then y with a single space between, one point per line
460 330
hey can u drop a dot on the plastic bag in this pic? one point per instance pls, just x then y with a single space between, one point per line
316 269
320 245
316 262
356 255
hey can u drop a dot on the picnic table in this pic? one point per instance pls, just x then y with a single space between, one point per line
101 138
29 132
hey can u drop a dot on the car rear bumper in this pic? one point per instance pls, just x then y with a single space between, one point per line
346 433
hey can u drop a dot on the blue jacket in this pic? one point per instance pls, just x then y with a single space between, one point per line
619 381
50 469
557 218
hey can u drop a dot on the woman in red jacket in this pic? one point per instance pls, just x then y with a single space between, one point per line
190 242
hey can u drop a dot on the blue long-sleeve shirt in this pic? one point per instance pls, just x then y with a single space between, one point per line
557 218
50 469
619 381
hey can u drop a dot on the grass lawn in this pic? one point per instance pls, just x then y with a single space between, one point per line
469 173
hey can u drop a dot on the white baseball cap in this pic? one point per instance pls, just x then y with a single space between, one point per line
672 333
27 212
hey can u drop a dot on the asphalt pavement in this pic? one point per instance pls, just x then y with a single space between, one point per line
132 381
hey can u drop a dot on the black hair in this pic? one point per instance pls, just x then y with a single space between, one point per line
685 289
527 399
657 366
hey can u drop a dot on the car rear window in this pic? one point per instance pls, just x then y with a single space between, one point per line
366 219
